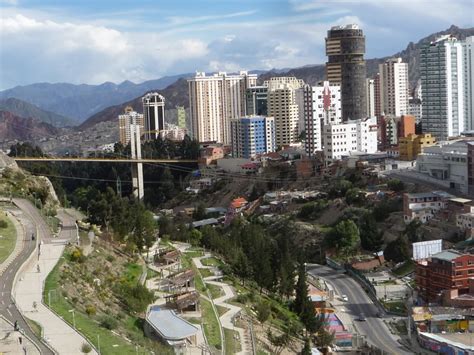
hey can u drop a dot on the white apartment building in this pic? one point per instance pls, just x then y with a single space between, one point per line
214 101
446 161
394 87
282 104
126 120
415 109
442 79
350 137
371 97
468 62
321 106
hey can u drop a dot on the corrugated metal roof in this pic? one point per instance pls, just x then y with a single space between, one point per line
169 325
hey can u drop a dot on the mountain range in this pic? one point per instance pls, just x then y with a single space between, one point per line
78 102
13 127
87 105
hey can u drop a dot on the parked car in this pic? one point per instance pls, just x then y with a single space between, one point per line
344 298
361 318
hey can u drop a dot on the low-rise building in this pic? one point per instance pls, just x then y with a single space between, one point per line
210 154
423 206
345 138
412 145
446 161
444 271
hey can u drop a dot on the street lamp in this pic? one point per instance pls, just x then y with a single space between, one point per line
98 343
73 317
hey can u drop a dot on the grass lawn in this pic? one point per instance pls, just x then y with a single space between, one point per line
216 291
133 273
211 325
221 310
206 272
151 273
395 307
404 269
35 327
194 254
89 327
232 344
211 261
8 238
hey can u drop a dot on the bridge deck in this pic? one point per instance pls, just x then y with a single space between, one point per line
106 160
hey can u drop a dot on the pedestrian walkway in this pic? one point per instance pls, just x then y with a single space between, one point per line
28 292
227 319
14 342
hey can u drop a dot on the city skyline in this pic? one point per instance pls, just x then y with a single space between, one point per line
96 42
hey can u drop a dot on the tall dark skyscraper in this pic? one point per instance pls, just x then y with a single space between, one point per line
345 48
153 115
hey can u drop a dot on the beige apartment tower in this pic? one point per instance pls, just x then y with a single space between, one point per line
126 120
282 104
394 87
215 100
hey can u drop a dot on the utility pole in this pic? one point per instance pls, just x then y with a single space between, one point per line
119 187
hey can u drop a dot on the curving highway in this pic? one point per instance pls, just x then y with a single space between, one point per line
374 329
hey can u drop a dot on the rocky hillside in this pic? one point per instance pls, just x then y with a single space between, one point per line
175 94
13 127
25 109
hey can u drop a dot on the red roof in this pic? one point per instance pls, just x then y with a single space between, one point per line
238 202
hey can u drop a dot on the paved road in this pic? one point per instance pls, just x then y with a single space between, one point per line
374 328
7 308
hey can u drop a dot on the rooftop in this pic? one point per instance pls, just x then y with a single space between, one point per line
431 194
169 325
447 255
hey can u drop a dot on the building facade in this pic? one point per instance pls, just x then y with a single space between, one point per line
415 109
423 206
444 271
282 104
256 101
181 112
442 80
321 106
153 115
252 135
413 144
126 120
370 97
406 126
345 49
395 87
468 54
214 101
446 161
346 138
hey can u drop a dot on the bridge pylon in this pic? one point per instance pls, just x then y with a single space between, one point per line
137 168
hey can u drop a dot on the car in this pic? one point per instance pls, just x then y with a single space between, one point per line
344 298
361 318
379 315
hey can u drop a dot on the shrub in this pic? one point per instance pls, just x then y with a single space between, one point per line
77 256
110 258
109 322
137 297
3 223
86 348
90 310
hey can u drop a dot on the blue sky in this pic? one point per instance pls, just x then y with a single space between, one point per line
92 42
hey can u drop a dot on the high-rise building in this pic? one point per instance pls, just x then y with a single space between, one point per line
442 80
283 106
252 135
321 106
214 101
370 97
181 112
415 109
468 53
153 115
395 87
256 101
126 120
345 48
378 96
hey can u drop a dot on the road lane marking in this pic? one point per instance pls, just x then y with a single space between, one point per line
10 313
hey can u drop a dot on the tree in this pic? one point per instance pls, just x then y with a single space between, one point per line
398 250
340 188
279 342
307 347
301 290
263 311
411 231
370 237
199 212
195 237
395 185
354 196
344 237
324 338
241 266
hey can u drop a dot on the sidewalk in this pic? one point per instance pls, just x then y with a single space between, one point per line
20 240
10 341
29 288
